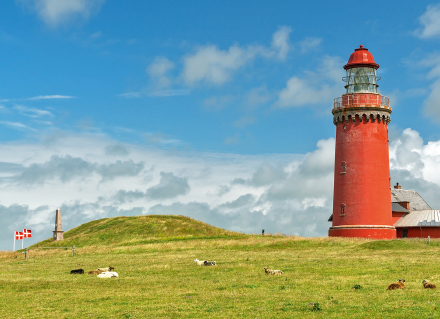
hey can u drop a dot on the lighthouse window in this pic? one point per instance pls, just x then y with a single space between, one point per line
343 167
342 210
361 80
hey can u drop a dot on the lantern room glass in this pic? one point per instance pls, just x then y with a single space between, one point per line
361 79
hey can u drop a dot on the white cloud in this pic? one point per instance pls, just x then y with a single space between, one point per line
417 163
405 152
56 12
96 35
431 105
158 71
170 186
18 126
212 65
416 92
217 103
280 42
258 96
131 95
245 121
315 87
432 102
265 175
31 112
164 93
430 155
309 44
233 139
50 97
116 150
160 138
299 92
430 21
312 178
215 66
432 61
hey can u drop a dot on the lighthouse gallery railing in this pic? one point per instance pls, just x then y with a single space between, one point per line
350 100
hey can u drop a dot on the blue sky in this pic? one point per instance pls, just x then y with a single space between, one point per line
218 110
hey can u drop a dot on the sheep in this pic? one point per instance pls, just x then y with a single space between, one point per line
199 262
427 284
108 274
272 272
209 263
397 285
77 271
95 272
106 269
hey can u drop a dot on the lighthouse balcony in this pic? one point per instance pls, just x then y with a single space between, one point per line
362 100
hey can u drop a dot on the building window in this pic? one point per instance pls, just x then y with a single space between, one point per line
342 210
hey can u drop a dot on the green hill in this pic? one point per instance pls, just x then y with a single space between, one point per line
135 230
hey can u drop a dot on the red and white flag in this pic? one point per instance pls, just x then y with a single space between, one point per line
18 235
27 233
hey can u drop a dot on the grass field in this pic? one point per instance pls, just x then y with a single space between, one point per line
159 279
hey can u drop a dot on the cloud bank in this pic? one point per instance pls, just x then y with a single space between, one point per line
289 194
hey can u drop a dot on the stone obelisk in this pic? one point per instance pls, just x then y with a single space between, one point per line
58 232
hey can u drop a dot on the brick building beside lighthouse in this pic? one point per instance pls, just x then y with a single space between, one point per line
361 198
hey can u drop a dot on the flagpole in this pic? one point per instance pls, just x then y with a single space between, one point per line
14 241
22 242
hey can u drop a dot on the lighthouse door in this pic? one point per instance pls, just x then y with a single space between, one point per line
404 233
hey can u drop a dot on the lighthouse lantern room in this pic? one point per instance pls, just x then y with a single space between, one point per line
361 198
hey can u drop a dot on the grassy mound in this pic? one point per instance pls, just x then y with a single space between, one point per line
135 230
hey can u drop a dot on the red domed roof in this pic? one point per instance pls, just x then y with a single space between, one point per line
361 58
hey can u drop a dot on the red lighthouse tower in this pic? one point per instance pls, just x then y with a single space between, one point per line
361 199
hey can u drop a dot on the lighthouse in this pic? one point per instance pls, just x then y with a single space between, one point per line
362 192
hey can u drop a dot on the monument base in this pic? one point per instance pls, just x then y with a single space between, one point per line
58 235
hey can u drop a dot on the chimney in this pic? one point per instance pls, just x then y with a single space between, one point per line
397 186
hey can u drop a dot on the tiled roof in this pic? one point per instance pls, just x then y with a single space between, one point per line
419 218
416 202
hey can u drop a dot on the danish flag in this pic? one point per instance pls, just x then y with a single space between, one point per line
18 235
27 233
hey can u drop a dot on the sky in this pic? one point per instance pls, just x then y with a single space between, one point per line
215 110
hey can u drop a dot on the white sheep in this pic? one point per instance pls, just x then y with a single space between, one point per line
108 274
199 262
106 269
272 272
